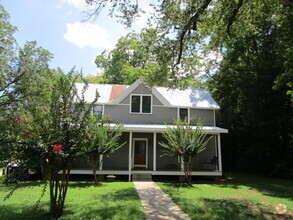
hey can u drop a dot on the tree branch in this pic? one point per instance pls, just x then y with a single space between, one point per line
233 16
191 24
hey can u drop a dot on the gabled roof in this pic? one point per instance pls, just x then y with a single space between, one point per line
114 94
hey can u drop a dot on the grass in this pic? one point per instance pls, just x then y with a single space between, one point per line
85 200
240 197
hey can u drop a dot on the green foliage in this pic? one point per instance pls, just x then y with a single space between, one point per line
184 139
253 87
102 138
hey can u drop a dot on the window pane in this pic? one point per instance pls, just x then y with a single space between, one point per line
98 110
135 103
183 114
146 104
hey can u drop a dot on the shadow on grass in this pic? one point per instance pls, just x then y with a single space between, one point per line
266 186
226 209
84 184
125 194
15 212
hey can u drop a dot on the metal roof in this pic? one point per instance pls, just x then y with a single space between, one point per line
193 98
196 98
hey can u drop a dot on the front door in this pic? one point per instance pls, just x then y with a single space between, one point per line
140 151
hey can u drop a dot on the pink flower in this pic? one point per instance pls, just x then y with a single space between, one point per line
89 134
57 148
19 119
179 150
186 129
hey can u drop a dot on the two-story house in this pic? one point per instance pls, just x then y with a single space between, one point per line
144 113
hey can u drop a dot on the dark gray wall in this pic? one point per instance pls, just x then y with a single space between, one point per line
207 116
119 159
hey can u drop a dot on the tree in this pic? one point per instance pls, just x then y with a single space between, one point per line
191 26
50 138
185 141
138 56
102 140
252 87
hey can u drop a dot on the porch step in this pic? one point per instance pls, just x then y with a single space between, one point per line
142 177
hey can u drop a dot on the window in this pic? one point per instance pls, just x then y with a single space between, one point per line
141 104
183 114
98 110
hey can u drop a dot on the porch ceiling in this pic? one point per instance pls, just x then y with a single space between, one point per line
161 128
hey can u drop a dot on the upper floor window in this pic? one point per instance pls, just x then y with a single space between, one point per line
98 110
141 104
184 114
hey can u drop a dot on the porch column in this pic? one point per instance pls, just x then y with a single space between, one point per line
219 153
101 162
129 156
155 152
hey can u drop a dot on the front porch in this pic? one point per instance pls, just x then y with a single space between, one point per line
142 154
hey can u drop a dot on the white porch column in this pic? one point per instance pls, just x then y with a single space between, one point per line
219 153
129 156
101 162
155 152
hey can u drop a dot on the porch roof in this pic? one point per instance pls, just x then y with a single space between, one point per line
161 128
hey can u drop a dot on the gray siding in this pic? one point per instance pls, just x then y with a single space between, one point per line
141 89
160 115
207 116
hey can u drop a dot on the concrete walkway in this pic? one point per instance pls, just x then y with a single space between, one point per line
156 203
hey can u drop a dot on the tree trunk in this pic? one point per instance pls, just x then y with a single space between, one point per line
187 168
58 189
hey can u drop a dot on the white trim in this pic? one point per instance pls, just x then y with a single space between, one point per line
188 113
126 172
155 151
160 97
140 107
127 91
219 153
150 128
214 117
129 156
146 154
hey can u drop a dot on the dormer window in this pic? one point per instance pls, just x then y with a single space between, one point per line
98 110
141 104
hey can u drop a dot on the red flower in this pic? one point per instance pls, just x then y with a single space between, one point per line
179 150
89 134
57 148
186 129
19 119
25 135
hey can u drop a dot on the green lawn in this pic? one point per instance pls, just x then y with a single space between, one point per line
240 197
117 200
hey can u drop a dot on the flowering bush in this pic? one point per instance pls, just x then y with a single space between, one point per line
185 141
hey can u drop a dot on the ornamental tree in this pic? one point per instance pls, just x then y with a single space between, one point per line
101 139
184 141
50 137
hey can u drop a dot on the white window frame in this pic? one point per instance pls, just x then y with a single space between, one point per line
188 113
140 107
99 105
147 150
